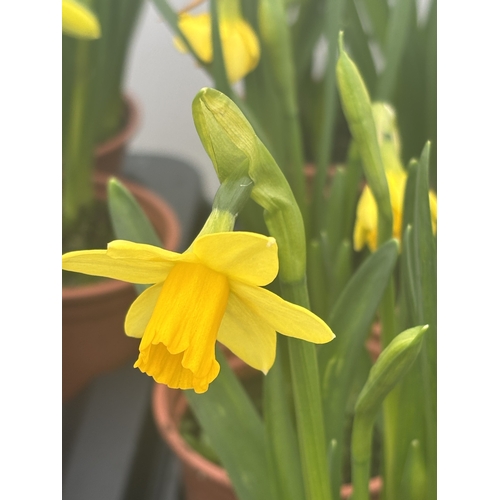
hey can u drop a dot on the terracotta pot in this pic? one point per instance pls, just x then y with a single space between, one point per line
310 173
93 338
204 480
374 342
375 488
243 370
109 154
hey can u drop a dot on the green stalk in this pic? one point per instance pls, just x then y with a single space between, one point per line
334 9
218 66
316 278
233 146
358 111
361 442
395 41
307 401
351 319
276 37
281 434
170 16
359 44
78 154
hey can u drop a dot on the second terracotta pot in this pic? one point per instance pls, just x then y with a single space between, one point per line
93 337
202 479
109 154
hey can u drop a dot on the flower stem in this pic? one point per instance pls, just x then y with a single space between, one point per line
307 401
228 202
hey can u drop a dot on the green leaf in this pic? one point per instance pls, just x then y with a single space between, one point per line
358 41
218 67
414 482
400 25
316 278
280 426
275 36
335 216
351 320
236 433
333 17
378 13
129 220
353 315
342 268
127 216
425 269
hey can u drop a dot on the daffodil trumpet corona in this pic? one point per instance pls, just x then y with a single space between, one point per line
213 291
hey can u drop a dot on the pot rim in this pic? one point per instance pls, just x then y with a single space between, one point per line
169 405
171 239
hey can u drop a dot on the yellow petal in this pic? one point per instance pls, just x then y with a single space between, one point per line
365 228
240 48
247 335
396 180
99 263
198 31
286 318
123 249
141 310
433 207
166 368
188 314
78 21
248 257
240 45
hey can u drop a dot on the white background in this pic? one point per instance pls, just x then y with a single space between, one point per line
164 81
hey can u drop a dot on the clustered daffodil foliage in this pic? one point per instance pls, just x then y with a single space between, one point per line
211 292
240 45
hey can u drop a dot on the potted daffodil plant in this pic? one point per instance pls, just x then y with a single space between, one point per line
295 274
94 47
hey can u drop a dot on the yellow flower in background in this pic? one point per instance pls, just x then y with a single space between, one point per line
240 45
210 292
78 21
365 228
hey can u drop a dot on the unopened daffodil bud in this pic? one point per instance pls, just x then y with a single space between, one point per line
365 229
388 138
240 45
78 21
233 146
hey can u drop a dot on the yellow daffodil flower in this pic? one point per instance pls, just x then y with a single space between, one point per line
240 45
210 292
365 228
78 21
